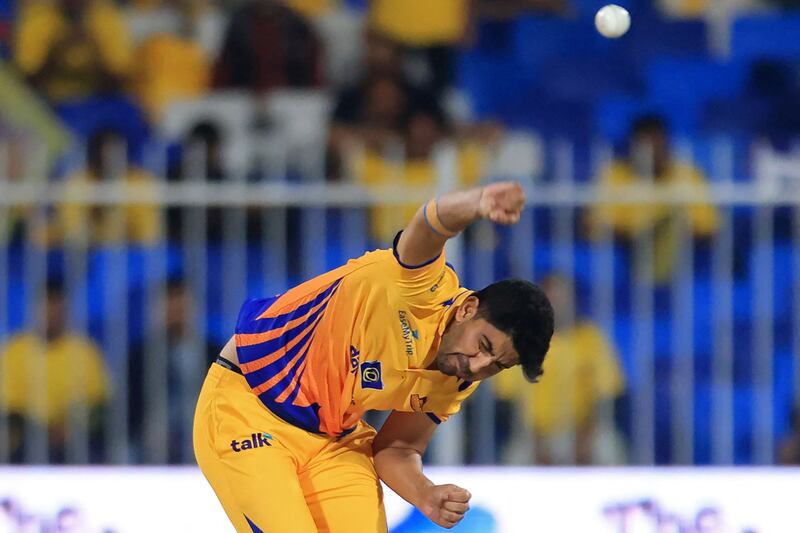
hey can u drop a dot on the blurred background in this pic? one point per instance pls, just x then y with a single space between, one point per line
161 161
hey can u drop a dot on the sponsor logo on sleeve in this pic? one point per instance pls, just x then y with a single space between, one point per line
354 355
417 402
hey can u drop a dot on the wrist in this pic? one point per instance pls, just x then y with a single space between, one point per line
478 213
421 495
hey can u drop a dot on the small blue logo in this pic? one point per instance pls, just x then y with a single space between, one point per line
354 354
371 375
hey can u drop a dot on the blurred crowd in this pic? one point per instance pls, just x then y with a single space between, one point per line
372 93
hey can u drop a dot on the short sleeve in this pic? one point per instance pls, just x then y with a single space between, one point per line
453 406
424 284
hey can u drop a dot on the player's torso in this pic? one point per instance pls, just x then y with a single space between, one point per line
357 338
391 347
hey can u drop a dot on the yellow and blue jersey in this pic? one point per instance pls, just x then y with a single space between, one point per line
357 338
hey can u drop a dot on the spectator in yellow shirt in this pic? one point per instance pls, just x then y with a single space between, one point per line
570 410
139 222
428 30
649 156
49 378
169 67
71 49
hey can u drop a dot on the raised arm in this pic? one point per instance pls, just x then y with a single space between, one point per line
445 217
398 448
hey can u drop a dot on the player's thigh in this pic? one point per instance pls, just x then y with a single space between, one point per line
343 492
257 483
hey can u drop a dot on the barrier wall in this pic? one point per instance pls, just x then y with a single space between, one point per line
505 500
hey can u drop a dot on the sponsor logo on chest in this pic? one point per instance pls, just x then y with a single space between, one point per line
409 335
371 377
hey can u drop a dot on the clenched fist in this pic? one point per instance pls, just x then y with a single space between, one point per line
502 202
445 505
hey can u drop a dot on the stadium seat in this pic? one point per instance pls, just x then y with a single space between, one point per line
85 117
766 36
654 37
234 112
493 84
297 127
519 156
586 79
688 80
538 39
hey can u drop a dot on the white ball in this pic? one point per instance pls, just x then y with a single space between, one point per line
612 21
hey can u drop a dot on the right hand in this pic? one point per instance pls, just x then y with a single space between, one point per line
502 203
445 505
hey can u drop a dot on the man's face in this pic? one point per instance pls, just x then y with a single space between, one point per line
652 147
55 317
422 135
473 349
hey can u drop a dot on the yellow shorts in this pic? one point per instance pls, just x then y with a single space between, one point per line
273 477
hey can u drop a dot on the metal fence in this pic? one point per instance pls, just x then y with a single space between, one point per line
710 353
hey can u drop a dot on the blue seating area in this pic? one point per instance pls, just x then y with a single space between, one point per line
559 77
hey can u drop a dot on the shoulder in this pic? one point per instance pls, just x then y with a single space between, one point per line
587 330
138 176
80 345
618 172
21 342
687 169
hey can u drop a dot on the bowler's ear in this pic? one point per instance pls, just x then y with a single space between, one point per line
468 309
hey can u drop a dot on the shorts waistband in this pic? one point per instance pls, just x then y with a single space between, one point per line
227 364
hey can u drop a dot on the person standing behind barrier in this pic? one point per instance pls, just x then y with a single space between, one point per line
47 378
165 373
138 222
650 160
576 403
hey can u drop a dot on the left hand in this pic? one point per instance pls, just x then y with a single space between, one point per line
445 505
502 203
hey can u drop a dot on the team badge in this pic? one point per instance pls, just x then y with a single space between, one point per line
371 375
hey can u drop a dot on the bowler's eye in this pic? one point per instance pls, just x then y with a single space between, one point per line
501 366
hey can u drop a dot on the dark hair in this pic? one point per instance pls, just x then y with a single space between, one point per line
55 287
521 310
647 123
96 144
207 132
175 282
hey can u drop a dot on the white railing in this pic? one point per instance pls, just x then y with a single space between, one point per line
301 226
